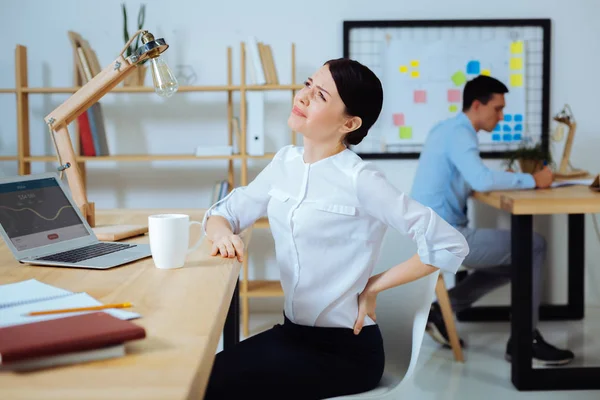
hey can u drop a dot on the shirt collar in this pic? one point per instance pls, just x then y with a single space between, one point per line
464 120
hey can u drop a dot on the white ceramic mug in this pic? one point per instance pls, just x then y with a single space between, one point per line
169 238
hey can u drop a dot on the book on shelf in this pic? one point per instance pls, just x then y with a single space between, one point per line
261 66
92 133
220 191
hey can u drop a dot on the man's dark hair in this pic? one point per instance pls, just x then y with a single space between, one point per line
481 88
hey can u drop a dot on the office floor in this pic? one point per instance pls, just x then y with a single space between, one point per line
485 374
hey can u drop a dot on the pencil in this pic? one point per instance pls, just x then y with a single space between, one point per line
93 308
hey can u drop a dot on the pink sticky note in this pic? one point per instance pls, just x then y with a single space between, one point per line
454 95
398 119
420 96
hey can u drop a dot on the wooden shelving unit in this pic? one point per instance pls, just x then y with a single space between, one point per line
24 158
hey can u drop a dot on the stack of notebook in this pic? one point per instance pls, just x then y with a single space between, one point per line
63 341
33 342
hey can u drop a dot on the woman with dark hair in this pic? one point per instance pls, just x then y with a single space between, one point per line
328 212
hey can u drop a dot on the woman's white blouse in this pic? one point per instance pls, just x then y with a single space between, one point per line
328 220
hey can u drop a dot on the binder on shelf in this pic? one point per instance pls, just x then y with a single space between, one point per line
257 72
255 134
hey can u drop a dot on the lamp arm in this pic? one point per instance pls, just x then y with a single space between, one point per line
90 93
67 112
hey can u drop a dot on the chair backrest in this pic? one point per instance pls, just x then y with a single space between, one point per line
402 314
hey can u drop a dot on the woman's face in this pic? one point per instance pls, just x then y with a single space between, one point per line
318 111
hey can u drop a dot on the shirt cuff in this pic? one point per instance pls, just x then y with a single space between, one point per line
526 181
442 259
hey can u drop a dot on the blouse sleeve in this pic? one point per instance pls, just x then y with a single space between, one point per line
244 205
438 243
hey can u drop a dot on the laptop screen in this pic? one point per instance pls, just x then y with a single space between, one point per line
37 213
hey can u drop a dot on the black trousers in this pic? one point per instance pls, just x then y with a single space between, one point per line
293 361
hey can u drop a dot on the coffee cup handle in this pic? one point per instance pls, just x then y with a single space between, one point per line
197 244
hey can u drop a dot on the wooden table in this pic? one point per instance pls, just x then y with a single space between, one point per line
183 312
576 201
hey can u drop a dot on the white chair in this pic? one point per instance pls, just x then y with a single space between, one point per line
401 315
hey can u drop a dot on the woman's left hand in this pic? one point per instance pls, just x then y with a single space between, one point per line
367 301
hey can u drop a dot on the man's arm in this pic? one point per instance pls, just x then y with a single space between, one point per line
464 154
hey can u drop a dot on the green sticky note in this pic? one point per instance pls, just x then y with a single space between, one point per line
405 132
459 78
453 108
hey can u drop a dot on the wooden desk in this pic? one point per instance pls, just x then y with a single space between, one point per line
183 312
576 201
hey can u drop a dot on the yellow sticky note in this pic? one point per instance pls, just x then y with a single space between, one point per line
414 74
403 69
516 63
516 80
414 63
486 72
516 47
453 108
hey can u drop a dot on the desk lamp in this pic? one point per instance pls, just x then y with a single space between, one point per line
566 170
165 85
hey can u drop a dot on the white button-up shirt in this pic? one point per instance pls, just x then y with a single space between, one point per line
328 220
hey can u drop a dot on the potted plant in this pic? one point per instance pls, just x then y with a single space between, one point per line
136 78
531 158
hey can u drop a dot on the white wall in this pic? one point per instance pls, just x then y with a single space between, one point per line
199 33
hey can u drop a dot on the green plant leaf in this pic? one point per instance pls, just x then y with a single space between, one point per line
125 33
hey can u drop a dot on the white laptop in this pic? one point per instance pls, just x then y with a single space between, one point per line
42 225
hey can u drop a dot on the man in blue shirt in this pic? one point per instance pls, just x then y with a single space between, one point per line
449 169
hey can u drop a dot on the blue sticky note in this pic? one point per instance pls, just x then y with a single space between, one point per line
519 127
506 128
496 137
497 128
517 136
508 117
518 118
507 137
473 67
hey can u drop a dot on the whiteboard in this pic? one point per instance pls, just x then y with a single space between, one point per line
449 53
424 82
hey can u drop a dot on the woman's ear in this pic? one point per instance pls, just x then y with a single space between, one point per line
351 124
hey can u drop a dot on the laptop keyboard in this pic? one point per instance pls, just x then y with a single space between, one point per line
87 252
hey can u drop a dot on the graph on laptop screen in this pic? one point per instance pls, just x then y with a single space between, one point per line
37 213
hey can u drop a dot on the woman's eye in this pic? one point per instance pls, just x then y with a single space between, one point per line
323 97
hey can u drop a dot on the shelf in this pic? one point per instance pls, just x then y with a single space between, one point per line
138 157
9 158
266 156
133 89
263 289
262 223
150 89
273 87
8 91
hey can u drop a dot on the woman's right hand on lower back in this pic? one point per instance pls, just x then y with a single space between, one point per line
228 246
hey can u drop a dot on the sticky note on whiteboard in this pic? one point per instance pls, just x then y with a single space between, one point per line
414 74
414 63
516 80
403 69
516 47
486 72
516 63
405 132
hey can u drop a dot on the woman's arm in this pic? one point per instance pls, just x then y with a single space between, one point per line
218 231
408 271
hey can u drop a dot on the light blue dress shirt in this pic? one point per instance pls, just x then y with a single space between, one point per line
450 168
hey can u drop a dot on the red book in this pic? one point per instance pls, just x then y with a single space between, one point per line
65 335
85 135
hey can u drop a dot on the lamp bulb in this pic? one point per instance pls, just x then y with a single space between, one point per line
165 83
